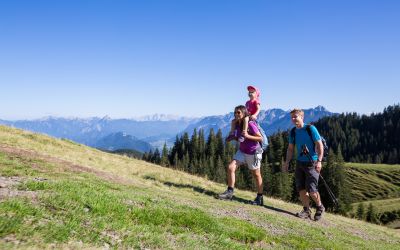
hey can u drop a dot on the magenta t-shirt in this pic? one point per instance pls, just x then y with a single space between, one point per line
251 106
249 146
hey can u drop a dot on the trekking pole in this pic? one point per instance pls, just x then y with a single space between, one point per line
306 152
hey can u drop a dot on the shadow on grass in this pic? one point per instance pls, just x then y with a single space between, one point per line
215 195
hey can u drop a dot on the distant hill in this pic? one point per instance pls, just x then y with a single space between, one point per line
120 140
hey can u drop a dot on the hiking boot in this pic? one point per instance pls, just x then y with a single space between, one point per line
319 212
258 201
227 195
230 137
304 214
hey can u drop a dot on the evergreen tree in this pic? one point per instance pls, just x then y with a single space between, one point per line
156 157
360 211
164 157
371 214
220 172
194 146
343 189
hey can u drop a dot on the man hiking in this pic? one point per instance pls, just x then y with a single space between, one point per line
306 173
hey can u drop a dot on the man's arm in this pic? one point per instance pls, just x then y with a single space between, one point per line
289 155
320 153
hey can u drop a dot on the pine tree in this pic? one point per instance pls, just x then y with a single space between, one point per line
219 145
371 214
220 173
164 157
156 158
343 189
360 211
194 146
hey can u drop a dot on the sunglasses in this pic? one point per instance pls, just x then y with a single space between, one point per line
238 112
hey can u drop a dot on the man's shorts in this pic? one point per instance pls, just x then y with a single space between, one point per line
306 177
253 162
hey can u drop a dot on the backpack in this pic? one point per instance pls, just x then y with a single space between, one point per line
264 143
308 129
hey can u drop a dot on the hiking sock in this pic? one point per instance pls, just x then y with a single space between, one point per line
230 189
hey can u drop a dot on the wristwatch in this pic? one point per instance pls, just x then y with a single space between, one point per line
319 160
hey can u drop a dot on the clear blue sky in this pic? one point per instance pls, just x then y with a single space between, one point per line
86 58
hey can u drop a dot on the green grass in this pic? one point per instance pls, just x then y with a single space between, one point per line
84 198
381 206
373 181
81 207
387 167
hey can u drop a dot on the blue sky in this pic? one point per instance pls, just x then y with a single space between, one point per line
85 58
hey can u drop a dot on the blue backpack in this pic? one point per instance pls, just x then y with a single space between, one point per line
308 129
264 143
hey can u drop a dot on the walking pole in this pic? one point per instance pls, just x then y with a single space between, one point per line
306 152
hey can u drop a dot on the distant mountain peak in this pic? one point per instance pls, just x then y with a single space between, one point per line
161 117
321 108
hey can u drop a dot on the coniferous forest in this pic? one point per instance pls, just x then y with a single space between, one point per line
351 138
368 139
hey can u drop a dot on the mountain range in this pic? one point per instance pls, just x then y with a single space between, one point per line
150 132
271 120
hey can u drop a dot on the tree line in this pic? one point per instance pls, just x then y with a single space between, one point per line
366 139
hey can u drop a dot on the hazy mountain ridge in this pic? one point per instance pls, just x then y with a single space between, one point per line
154 129
91 130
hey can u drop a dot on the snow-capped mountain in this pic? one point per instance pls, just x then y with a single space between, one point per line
162 117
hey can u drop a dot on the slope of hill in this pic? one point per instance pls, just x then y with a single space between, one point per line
373 181
59 194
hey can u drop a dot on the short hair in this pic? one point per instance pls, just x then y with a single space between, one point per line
297 111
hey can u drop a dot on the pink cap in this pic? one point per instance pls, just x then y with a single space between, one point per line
251 89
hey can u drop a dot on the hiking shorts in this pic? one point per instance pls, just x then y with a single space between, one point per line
306 177
253 161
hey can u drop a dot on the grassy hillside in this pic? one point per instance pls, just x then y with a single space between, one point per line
374 181
59 194
381 206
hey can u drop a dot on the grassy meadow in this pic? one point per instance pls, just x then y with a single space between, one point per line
59 194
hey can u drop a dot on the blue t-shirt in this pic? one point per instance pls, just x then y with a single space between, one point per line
302 138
